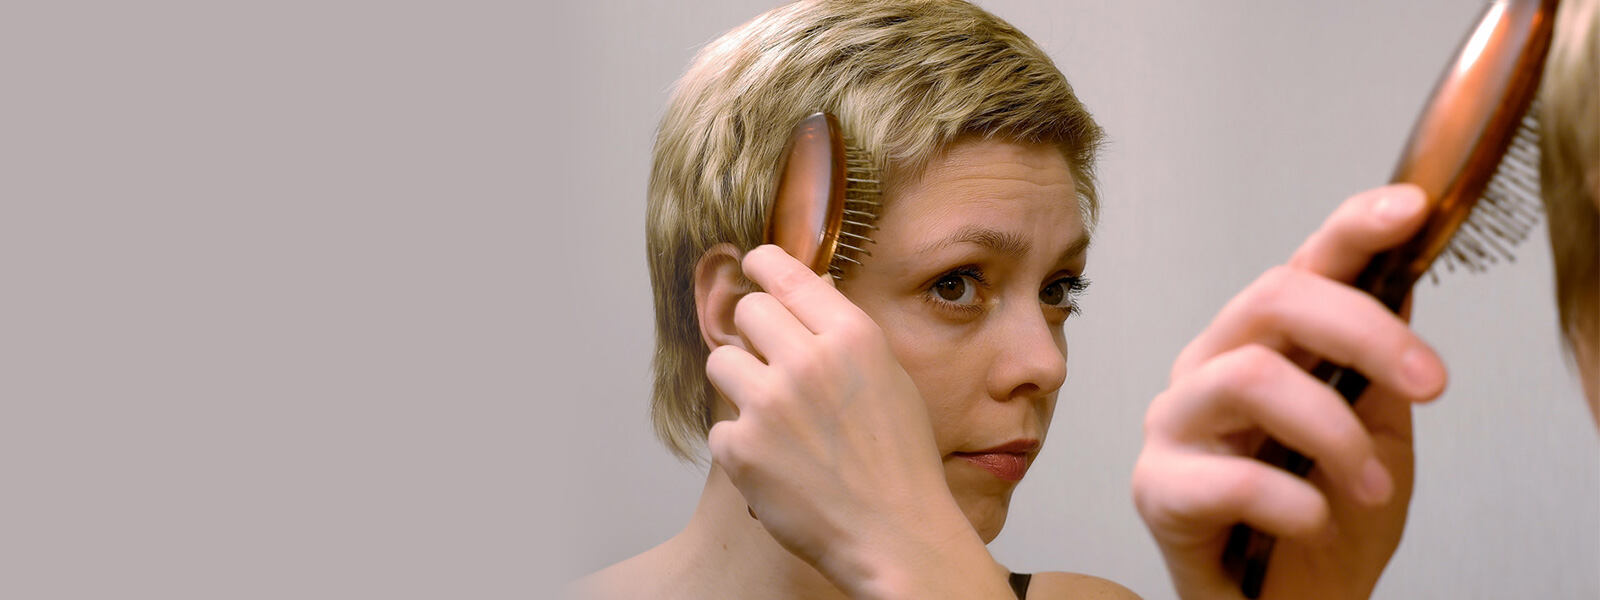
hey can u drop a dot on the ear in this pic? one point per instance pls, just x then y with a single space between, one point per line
719 283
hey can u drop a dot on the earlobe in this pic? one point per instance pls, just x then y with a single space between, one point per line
719 283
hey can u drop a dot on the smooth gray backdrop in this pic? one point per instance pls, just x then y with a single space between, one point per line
1235 127
347 299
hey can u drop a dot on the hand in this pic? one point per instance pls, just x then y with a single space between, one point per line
1245 377
832 446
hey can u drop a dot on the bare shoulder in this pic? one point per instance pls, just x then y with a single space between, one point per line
1055 584
610 582
631 578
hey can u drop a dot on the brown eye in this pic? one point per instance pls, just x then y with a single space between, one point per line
1063 293
954 288
1055 294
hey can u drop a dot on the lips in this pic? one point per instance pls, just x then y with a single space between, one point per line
1007 462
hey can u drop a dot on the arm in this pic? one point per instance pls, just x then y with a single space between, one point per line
1244 377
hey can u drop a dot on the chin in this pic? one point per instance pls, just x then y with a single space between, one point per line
985 511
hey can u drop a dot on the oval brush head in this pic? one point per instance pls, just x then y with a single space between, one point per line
826 200
1474 150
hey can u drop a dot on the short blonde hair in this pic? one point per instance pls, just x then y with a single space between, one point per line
1569 121
905 79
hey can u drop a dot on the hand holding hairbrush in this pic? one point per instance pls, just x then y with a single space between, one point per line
1212 460
832 447
1473 152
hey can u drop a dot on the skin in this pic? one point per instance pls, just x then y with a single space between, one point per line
845 410
1245 377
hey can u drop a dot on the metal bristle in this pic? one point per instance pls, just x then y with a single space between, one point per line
856 249
861 208
1507 212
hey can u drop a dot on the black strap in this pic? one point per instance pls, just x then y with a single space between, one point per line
1019 584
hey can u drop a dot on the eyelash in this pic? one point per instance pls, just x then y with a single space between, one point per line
1076 286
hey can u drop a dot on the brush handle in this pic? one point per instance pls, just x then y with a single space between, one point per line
1389 278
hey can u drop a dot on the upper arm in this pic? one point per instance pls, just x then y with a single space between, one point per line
1055 584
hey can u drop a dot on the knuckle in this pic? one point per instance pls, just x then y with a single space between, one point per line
1161 496
1263 300
1245 372
723 448
792 281
749 304
1156 416
1191 494
719 359
1142 484
1305 257
1274 285
1184 364
1344 431
1238 487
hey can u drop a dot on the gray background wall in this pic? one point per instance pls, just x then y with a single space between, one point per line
346 299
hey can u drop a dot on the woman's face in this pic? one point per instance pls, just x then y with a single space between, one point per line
975 268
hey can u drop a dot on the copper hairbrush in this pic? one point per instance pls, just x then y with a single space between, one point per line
826 200
1474 152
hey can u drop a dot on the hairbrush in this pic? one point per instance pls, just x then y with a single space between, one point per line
1474 151
827 198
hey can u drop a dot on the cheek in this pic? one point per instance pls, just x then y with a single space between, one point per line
948 372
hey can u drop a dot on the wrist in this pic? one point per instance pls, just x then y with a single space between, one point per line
931 557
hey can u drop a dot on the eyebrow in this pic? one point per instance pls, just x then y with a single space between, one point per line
1004 243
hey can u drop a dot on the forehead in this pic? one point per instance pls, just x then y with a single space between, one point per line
1021 189
977 159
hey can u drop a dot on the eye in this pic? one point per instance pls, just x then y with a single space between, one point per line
1063 293
958 288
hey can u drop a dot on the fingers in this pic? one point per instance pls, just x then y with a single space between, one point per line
1177 492
1254 386
771 329
1291 309
727 449
812 299
1366 224
737 374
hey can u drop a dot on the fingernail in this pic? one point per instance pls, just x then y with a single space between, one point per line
1395 206
1419 371
1375 485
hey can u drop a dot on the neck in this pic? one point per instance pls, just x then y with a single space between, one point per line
725 553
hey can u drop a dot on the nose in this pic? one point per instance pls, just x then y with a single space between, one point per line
1031 356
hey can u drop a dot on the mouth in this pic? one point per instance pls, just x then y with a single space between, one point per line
1007 462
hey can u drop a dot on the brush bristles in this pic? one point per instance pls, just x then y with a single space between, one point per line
861 196
1506 214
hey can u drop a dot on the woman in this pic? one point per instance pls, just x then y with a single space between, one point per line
864 440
